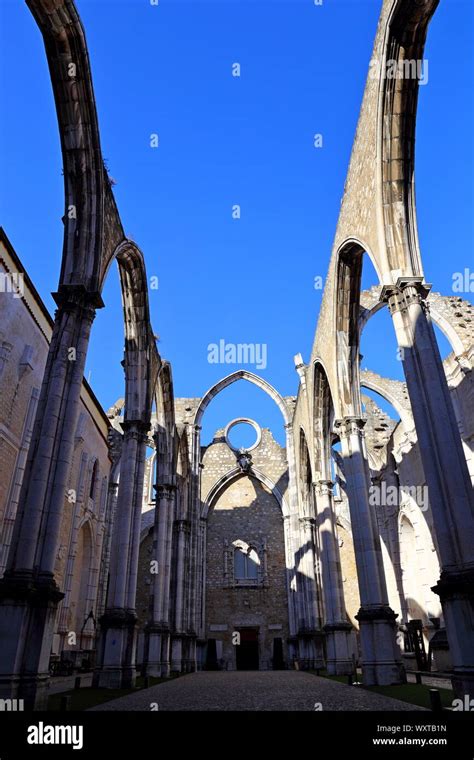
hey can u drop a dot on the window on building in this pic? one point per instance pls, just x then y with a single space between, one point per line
93 479
246 564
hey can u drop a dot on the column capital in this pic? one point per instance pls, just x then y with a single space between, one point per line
323 487
307 521
164 490
406 291
137 429
73 297
350 425
183 526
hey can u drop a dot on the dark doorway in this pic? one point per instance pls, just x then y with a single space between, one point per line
211 657
246 653
278 654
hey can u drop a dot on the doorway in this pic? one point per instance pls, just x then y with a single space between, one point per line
277 661
246 653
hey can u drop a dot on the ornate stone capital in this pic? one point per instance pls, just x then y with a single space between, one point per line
350 425
405 292
323 487
164 491
455 585
379 612
72 298
183 526
135 429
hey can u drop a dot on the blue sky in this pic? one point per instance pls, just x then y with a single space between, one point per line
223 141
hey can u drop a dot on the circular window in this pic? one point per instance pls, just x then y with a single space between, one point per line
242 433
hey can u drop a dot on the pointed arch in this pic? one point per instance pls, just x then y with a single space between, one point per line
241 374
230 477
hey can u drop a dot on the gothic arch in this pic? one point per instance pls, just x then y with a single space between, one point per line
383 386
349 262
323 418
241 374
92 227
404 41
305 476
230 477
164 424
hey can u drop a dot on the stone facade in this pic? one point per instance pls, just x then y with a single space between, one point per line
78 567
245 511
352 494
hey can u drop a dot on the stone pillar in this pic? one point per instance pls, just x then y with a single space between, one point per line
182 530
381 660
112 495
29 594
310 633
116 648
291 531
157 629
446 471
337 627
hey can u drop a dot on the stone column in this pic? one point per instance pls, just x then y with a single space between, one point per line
446 471
112 495
291 532
14 495
166 641
337 627
182 530
116 648
157 629
29 594
381 660
310 633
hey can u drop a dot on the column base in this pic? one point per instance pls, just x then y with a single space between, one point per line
338 649
165 655
116 668
176 665
311 650
381 659
154 637
456 593
28 605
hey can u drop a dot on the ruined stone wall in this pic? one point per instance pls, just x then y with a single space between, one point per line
26 329
246 510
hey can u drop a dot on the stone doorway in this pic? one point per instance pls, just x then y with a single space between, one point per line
246 653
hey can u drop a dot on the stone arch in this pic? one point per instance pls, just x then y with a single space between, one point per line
305 476
92 227
230 477
241 374
349 262
392 391
182 478
404 41
82 572
141 355
163 425
323 417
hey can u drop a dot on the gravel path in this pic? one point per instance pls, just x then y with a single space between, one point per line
254 690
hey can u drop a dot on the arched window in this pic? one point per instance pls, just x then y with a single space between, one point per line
246 563
93 479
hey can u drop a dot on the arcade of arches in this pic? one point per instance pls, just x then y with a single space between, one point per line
127 544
